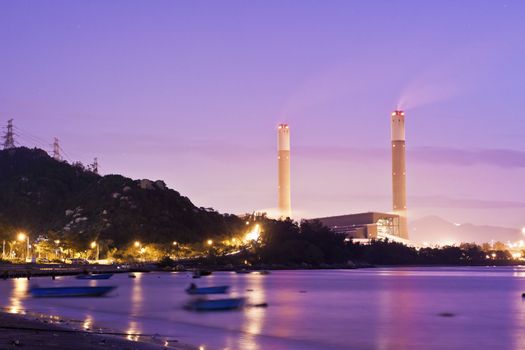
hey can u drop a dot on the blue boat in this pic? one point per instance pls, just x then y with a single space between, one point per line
194 290
62 292
215 304
99 276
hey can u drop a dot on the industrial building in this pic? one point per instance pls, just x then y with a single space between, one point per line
363 226
366 226
375 225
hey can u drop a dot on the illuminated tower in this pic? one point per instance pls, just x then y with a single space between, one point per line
285 205
399 182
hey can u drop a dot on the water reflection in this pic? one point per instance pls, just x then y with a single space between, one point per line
18 295
132 331
518 310
137 296
396 314
88 323
253 316
136 302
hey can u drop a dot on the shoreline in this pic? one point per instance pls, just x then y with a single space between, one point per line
47 332
28 270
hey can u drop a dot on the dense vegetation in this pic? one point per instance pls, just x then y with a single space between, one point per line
310 244
43 196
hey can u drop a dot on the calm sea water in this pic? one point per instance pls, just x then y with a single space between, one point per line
384 308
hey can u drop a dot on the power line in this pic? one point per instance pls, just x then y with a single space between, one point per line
69 159
31 138
13 133
36 139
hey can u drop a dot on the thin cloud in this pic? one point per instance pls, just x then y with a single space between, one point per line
163 145
504 158
462 203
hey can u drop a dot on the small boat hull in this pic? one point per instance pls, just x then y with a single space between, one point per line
68 292
216 304
100 276
208 290
201 273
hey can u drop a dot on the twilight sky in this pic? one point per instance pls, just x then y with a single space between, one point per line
191 92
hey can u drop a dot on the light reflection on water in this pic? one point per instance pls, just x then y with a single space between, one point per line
133 331
253 316
18 295
519 337
136 307
376 309
88 322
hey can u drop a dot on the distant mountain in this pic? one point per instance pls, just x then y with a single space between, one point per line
434 229
40 195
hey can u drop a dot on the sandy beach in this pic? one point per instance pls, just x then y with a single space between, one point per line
31 332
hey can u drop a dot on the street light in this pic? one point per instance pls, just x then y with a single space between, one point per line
210 242
93 246
23 237
137 244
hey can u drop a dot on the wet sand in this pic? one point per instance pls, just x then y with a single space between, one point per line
30 332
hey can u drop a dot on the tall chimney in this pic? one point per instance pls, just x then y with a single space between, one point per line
399 183
283 137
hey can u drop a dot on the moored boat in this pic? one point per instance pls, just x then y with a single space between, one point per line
215 304
200 273
59 292
99 276
194 290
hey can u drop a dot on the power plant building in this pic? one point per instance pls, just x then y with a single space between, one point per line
283 163
376 225
365 226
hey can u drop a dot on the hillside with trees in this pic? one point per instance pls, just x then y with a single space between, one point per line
47 197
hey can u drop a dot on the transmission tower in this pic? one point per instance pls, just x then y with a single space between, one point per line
56 150
9 138
94 166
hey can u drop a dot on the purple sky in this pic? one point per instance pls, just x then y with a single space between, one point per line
191 92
